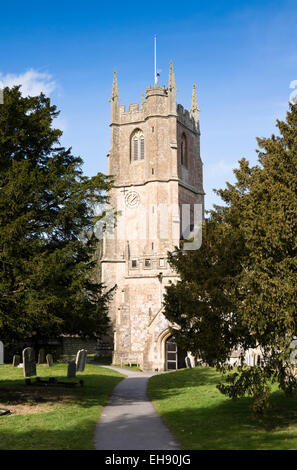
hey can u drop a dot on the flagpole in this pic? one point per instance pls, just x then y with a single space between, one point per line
156 79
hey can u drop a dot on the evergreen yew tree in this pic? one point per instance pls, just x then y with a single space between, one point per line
47 285
240 288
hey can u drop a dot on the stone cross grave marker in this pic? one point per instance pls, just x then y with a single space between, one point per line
16 360
81 358
49 360
71 371
1 353
29 362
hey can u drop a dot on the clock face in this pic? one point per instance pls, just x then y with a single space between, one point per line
132 199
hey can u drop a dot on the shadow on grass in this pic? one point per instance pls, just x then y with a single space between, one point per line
202 418
216 428
95 391
70 424
72 435
231 426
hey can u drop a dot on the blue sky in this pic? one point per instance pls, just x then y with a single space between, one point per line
241 54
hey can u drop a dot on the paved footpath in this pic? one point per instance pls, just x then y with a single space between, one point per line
130 421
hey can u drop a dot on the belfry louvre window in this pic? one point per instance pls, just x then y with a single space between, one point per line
183 151
142 148
135 149
137 146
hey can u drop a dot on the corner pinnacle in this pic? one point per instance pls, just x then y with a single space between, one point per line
115 90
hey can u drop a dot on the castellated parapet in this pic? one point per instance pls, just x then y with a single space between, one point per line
184 117
156 104
157 170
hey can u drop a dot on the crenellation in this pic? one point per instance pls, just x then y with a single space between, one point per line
185 118
133 107
156 91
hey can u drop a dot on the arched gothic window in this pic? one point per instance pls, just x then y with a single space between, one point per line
137 146
183 151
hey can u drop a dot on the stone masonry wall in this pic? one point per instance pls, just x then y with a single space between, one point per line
70 345
135 259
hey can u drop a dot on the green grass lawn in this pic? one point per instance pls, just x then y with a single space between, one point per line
202 418
53 417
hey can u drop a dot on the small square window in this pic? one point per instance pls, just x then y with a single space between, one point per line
147 263
134 263
162 262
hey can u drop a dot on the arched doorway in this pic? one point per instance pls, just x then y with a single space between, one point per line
174 356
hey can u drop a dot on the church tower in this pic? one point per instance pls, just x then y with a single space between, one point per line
157 171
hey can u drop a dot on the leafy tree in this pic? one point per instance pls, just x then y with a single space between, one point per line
46 209
240 288
202 301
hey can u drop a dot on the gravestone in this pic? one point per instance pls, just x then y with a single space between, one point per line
188 363
29 362
16 360
71 371
77 356
81 358
41 356
49 360
1 353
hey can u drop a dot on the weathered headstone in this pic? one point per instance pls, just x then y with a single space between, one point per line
71 371
41 356
16 360
49 360
29 362
81 358
188 363
1 353
77 356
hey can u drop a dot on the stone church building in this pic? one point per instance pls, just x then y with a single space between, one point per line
157 170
